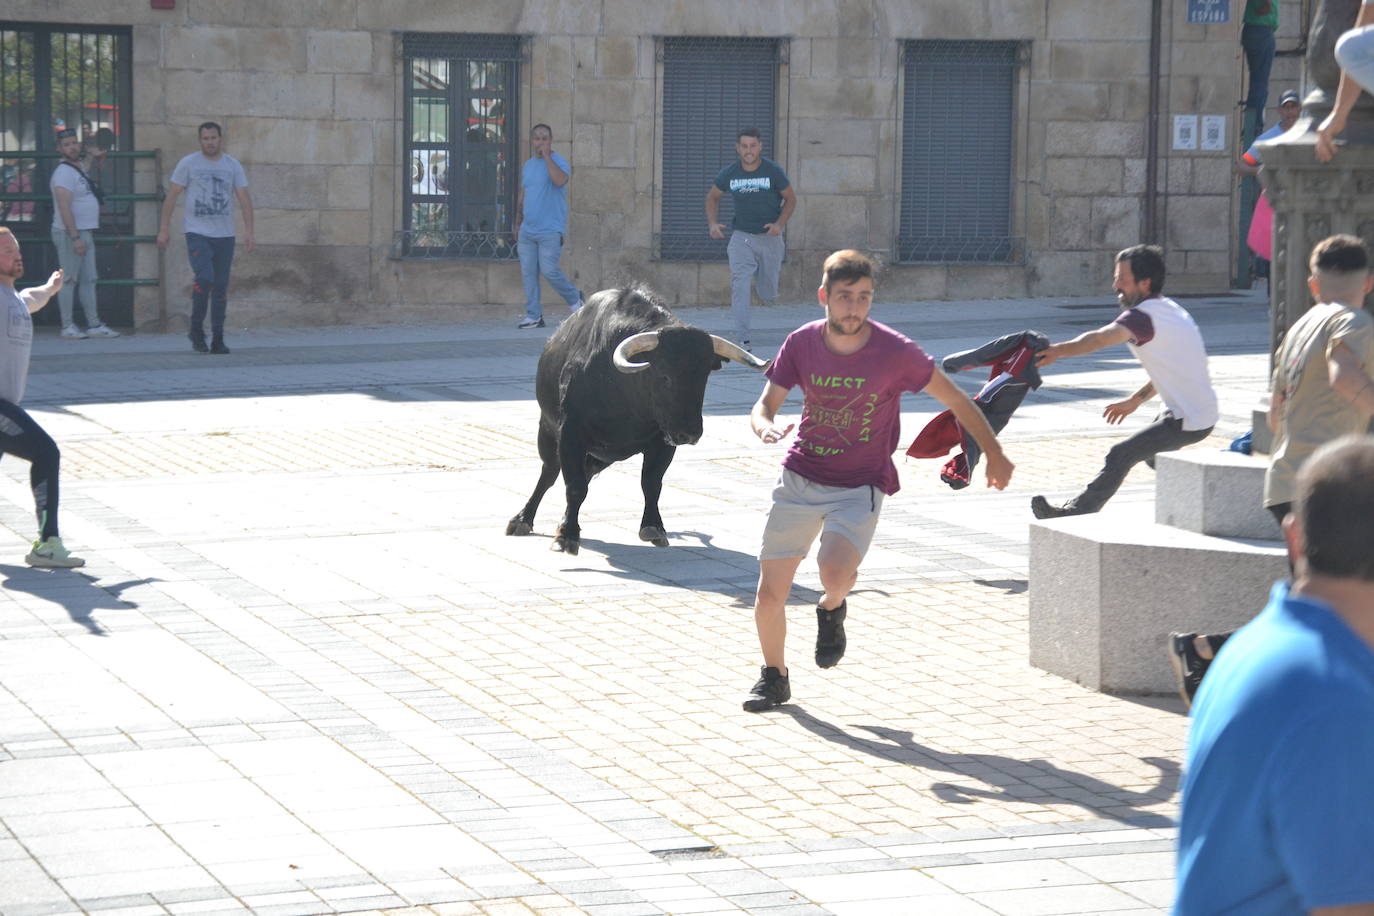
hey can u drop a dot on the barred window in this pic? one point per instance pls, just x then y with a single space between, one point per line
958 121
461 129
712 87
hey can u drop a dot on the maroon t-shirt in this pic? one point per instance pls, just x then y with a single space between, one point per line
851 415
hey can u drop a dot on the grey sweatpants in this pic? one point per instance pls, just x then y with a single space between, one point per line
757 258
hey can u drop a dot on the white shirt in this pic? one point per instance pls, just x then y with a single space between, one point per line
1169 345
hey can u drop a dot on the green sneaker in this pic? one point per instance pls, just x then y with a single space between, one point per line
50 554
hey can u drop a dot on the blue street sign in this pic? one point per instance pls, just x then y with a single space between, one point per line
1209 12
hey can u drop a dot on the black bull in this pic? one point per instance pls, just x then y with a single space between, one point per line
621 377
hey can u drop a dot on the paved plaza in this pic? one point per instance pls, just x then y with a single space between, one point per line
305 672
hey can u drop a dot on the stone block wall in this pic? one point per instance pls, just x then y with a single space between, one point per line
310 96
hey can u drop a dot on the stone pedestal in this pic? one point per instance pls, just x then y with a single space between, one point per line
1107 589
1215 493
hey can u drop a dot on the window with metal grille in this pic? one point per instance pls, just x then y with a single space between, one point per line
958 121
712 87
461 129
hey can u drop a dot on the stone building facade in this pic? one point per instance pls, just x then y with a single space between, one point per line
312 94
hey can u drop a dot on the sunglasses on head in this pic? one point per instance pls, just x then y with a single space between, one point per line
64 134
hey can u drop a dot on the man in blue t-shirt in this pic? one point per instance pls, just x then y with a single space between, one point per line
764 201
1278 803
541 219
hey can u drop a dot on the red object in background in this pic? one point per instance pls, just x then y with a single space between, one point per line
163 4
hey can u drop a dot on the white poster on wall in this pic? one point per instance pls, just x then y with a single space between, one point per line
1214 132
1185 131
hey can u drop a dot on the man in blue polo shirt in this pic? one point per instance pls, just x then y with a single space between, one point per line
1278 803
541 219
764 201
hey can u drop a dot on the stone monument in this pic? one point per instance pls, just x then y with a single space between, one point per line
1311 199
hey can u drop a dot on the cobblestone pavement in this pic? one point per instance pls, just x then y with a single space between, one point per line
305 672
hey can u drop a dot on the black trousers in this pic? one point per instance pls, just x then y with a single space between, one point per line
20 435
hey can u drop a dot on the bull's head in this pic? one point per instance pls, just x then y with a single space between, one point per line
682 359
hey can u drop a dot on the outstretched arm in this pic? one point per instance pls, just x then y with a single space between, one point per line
1346 95
35 297
1087 342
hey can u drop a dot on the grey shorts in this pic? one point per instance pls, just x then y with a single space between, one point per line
803 509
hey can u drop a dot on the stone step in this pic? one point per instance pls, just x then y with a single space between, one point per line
1213 492
1106 590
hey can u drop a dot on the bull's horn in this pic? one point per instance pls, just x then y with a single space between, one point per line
727 350
632 346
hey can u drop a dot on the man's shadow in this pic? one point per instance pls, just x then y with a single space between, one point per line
1008 777
77 592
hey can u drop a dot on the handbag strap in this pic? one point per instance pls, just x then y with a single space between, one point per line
90 185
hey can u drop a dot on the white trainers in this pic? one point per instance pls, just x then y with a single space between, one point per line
50 554
72 332
101 330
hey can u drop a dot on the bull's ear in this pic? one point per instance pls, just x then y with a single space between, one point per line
718 364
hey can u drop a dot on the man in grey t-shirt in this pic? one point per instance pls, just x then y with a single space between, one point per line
212 180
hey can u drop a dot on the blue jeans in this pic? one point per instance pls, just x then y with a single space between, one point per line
539 254
211 259
1258 43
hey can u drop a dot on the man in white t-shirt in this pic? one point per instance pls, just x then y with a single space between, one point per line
212 180
75 216
1169 346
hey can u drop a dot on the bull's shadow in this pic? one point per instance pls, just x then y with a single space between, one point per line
80 594
698 567
1009 779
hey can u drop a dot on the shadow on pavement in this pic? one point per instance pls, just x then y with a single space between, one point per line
1008 777
77 592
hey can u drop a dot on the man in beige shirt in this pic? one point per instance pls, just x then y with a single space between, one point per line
1322 391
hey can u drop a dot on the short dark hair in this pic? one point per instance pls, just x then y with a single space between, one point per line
847 266
1335 503
544 127
749 132
1147 263
210 125
1339 254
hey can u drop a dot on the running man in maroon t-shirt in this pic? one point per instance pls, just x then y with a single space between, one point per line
839 467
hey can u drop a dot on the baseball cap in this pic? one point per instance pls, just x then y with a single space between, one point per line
1290 95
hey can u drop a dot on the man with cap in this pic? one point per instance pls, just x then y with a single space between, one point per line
1248 165
1290 106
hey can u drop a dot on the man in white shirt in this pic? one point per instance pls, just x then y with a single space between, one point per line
1164 337
75 216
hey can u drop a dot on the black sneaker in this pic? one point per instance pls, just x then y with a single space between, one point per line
772 689
219 347
830 641
1189 666
531 323
198 343
1043 508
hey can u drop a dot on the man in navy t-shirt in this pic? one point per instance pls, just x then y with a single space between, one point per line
1278 803
764 201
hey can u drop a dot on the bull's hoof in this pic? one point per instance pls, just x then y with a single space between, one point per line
518 527
653 535
565 545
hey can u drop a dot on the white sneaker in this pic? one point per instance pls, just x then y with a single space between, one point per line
101 330
72 332
50 554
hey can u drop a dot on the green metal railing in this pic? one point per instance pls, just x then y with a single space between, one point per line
102 239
